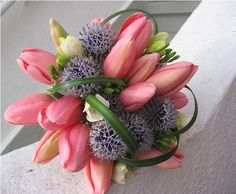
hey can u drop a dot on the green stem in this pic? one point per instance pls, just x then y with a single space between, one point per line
133 10
114 122
87 80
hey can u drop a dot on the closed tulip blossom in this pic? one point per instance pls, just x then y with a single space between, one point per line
179 100
98 174
61 114
120 59
138 27
137 95
47 148
172 163
25 111
74 148
34 62
143 68
172 78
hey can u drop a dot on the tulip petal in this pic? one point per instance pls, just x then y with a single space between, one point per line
143 68
137 95
25 111
34 62
129 20
47 148
171 163
61 114
172 78
120 59
74 147
98 175
180 100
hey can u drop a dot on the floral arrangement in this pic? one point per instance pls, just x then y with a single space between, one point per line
114 100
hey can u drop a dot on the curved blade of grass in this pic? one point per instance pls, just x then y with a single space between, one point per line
114 121
133 10
192 120
87 80
151 161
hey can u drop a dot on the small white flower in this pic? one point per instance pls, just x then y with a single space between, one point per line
93 115
71 46
120 173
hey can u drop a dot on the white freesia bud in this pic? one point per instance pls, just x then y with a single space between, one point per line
93 115
71 46
120 173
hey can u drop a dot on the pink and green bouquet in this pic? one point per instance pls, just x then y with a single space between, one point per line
114 99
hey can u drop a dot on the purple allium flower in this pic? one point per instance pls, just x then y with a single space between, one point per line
114 104
98 40
140 130
160 114
104 141
80 67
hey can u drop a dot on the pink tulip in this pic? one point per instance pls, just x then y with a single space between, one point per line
34 62
140 28
61 114
98 175
171 163
74 147
97 20
120 59
47 148
142 68
137 95
172 78
25 111
180 100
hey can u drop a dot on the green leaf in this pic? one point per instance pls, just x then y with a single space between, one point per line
155 26
53 72
114 121
190 123
87 80
151 161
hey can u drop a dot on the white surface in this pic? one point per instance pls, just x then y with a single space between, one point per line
207 39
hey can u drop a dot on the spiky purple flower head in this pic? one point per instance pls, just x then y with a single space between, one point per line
80 67
139 129
160 114
104 141
98 40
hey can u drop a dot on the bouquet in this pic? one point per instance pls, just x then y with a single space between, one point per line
113 102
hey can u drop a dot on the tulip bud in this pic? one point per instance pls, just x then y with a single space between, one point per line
74 147
25 111
137 95
56 31
92 114
120 173
71 46
143 67
172 163
34 62
170 79
61 114
47 148
180 100
140 29
120 59
98 175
